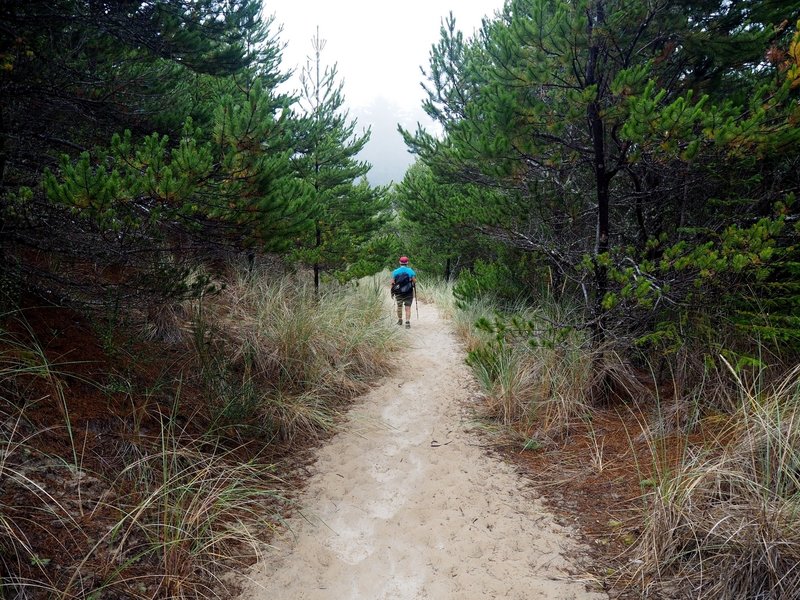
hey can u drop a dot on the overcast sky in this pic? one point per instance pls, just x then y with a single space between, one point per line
378 47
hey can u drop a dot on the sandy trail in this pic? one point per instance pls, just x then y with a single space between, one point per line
404 504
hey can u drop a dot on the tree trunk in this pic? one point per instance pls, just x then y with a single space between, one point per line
597 134
3 262
2 151
318 243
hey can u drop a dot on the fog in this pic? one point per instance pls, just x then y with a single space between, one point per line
378 49
386 151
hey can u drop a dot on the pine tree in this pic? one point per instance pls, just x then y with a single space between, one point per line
256 189
590 124
438 220
346 209
85 86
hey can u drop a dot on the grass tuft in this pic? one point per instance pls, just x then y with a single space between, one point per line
539 375
275 354
723 523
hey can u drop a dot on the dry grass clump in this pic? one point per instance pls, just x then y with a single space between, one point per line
464 319
274 350
169 526
542 390
140 483
540 376
440 293
180 512
190 512
724 524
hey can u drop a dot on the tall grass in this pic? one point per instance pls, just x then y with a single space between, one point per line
169 525
29 380
24 567
539 375
723 523
173 506
173 523
439 292
190 513
275 351
464 320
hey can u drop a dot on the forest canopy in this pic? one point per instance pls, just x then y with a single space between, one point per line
638 158
141 141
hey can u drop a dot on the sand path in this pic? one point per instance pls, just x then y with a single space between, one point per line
405 504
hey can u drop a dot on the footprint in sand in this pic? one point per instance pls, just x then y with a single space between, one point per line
406 519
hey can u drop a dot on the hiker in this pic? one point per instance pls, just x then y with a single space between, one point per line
404 281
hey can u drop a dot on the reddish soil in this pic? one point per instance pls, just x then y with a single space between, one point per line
596 488
96 404
598 479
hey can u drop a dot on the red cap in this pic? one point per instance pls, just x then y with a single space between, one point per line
403 260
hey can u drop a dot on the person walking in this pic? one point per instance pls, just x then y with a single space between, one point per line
404 286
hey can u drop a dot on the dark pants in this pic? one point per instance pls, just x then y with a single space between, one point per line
404 300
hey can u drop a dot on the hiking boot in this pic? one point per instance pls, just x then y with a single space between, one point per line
399 321
408 324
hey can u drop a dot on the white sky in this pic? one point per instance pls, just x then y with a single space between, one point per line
378 47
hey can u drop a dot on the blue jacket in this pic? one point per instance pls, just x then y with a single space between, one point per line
403 269
411 274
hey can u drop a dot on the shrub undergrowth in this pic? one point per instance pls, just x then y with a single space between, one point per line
538 372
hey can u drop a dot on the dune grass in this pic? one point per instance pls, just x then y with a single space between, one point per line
439 292
278 363
178 514
188 490
190 514
538 373
723 523
271 350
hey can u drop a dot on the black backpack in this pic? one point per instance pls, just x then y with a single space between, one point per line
402 285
